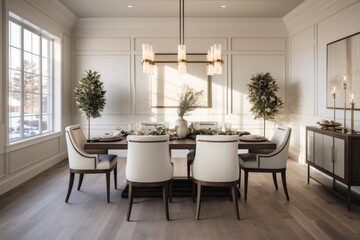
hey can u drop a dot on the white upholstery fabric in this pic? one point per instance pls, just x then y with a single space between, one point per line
273 160
216 158
148 159
202 125
78 158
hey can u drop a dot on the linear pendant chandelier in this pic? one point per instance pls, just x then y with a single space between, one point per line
213 56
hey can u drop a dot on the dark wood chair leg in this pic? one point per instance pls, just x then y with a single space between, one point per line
81 178
165 189
235 201
246 183
283 178
198 202
71 183
108 186
194 191
170 191
239 178
130 202
275 180
115 177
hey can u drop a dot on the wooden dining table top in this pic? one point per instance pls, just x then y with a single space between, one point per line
173 144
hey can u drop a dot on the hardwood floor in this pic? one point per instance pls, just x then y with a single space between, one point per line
36 210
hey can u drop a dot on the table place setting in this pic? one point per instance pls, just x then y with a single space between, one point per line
252 138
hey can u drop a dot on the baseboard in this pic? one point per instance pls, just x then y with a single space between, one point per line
9 182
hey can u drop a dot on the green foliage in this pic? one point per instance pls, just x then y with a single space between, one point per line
90 95
189 99
262 96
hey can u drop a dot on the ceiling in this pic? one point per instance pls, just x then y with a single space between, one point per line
170 8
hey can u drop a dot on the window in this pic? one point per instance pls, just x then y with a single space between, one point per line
31 79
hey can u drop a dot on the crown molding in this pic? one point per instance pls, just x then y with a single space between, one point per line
56 11
311 12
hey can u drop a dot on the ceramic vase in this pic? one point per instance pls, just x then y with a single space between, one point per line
181 127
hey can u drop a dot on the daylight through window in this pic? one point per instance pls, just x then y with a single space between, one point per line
31 81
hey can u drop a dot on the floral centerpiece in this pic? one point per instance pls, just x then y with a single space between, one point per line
189 99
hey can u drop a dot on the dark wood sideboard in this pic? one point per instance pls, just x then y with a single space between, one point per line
336 154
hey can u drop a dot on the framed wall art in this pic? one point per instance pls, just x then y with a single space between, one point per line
167 83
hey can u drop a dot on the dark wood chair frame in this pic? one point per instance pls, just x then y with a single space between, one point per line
81 173
92 171
166 189
200 184
273 171
270 170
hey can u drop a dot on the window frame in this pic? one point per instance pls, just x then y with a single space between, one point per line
51 128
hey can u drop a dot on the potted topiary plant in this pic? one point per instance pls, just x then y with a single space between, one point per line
262 96
90 96
188 100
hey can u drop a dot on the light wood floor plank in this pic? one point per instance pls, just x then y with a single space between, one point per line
36 210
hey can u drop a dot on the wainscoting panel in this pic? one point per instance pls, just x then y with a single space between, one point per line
26 156
169 45
2 165
258 44
242 69
115 73
102 44
302 82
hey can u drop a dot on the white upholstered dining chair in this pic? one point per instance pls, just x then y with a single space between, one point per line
148 165
272 162
191 154
216 164
82 163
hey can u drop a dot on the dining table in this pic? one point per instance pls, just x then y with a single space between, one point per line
181 186
121 144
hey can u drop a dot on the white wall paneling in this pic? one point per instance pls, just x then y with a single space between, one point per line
258 44
2 165
102 44
302 82
29 155
115 74
244 66
311 27
66 83
169 45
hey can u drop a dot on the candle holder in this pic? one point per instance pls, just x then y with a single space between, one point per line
344 86
352 117
334 97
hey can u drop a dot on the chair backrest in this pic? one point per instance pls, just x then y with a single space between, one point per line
78 158
208 124
277 158
151 125
216 158
148 159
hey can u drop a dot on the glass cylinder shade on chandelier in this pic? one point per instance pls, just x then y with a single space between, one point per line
181 58
148 57
213 58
